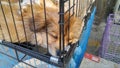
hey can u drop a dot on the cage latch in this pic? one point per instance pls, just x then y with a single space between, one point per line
54 59
1 41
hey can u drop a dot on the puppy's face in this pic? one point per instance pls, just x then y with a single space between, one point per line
72 36
51 22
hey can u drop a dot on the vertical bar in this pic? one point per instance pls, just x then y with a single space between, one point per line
17 55
46 24
69 20
33 23
23 22
15 28
61 26
13 20
2 32
5 21
74 6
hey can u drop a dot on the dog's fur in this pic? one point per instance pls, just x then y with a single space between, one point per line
51 22
12 1
48 3
52 18
11 25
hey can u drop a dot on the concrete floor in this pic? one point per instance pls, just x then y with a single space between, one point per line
95 38
93 48
86 63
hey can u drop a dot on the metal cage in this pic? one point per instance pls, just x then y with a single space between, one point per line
23 51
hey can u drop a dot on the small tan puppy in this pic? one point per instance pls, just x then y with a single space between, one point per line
52 18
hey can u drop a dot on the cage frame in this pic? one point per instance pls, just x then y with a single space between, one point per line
54 61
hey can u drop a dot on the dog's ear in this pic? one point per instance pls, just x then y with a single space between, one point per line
39 22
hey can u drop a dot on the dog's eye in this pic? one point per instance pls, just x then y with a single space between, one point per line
55 37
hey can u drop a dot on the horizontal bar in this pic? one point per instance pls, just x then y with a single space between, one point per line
31 53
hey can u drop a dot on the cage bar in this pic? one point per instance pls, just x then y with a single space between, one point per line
75 7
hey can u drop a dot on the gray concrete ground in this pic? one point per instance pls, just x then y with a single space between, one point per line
93 48
95 38
86 63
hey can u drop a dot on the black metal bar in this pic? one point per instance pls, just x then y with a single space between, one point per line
69 9
34 23
23 21
23 57
91 6
13 20
46 26
2 32
23 24
69 20
74 6
34 54
17 55
61 26
70 52
25 45
5 21
15 28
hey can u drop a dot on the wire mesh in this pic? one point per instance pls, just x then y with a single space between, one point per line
110 44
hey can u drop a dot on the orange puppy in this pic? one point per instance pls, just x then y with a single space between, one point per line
52 18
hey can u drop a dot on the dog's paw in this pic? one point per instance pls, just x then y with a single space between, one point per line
73 40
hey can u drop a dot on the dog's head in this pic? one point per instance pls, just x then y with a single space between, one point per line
43 20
